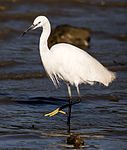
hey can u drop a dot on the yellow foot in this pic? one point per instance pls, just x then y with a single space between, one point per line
54 112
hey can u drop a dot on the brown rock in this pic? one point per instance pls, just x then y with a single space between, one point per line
75 140
79 37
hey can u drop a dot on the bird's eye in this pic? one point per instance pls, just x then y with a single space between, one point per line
38 23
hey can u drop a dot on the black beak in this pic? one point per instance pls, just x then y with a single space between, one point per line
30 28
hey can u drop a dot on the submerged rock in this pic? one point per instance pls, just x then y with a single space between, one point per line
79 37
75 140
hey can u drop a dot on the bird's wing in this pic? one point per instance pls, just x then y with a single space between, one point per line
77 66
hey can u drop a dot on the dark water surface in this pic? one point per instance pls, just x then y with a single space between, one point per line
101 118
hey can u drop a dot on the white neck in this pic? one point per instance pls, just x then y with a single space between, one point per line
44 37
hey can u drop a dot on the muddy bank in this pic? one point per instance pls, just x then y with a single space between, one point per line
9 63
22 76
37 75
55 100
104 3
8 33
119 37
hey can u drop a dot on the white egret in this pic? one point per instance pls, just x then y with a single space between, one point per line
68 63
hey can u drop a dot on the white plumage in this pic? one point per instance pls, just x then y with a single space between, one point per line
68 63
73 65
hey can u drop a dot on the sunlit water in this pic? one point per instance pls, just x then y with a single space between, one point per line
101 118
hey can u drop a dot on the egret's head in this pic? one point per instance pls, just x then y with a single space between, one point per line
38 22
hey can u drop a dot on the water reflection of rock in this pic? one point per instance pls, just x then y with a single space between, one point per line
79 37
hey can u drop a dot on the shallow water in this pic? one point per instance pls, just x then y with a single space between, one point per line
101 118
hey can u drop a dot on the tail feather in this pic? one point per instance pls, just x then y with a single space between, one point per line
109 78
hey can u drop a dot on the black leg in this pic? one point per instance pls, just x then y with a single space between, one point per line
69 109
70 106
70 103
69 117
